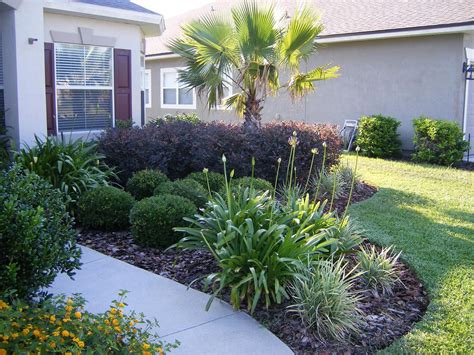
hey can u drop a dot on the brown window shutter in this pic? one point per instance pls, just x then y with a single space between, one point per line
50 88
123 84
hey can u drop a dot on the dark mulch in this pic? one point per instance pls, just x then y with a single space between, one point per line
386 317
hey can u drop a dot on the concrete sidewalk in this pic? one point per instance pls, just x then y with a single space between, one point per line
180 311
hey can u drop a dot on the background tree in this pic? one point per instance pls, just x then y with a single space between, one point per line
248 52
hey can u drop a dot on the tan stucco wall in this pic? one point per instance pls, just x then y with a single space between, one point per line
403 78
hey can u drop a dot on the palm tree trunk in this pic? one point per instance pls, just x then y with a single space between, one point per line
252 114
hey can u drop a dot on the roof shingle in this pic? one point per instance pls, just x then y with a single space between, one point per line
118 4
342 17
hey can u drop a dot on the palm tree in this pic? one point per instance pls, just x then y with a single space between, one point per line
249 52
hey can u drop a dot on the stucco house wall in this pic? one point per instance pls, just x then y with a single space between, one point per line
400 77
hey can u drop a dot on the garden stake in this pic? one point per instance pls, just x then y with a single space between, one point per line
353 181
320 172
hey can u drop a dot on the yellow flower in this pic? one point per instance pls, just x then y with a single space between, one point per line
113 310
52 344
146 353
146 346
78 315
69 308
15 325
118 329
68 353
115 322
15 335
25 331
52 319
56 334
121 305
107 321
3 305
6 337
65 333
69 301
81 344
160 351
3 352
36 333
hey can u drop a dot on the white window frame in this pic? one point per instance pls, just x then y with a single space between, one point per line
83 87
147 84
177 105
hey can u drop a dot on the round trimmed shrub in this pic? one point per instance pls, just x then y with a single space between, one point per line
187 188
37 238
144 182
105 208
154 218
378 137
258 184
216 180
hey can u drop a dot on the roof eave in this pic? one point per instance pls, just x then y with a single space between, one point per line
399 33
152 25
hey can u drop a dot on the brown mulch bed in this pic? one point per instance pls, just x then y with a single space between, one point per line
386 318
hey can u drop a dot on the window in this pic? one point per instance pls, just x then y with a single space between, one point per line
84 84
147 87
173 93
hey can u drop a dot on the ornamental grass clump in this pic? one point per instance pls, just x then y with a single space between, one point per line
378 268
73 166
61 325
324 299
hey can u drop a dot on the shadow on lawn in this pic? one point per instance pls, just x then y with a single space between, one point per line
432 246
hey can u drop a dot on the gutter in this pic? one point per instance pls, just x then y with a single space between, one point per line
151 24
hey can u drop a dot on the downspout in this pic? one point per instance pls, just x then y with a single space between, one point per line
469 60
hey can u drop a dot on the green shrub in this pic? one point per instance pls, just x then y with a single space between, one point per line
188 188
256 183
37 238
179 117
216 180
379 269
324 300
61 326
72 166
438 141
377 136
257 242
105 208
153 219
143 183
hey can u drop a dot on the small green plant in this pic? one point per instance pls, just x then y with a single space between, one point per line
37 238
347 233
61 325
105 208
330 184
73 166
378 137
379 269
153 219
183 117
324 300
188 188
123 124
143 183
256 183
438 141
216 180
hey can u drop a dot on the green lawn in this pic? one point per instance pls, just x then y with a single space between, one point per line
428 213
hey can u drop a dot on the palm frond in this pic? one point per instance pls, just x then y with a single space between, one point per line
303 83
298 41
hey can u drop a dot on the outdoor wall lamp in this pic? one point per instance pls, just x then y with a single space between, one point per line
32 40
469 70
